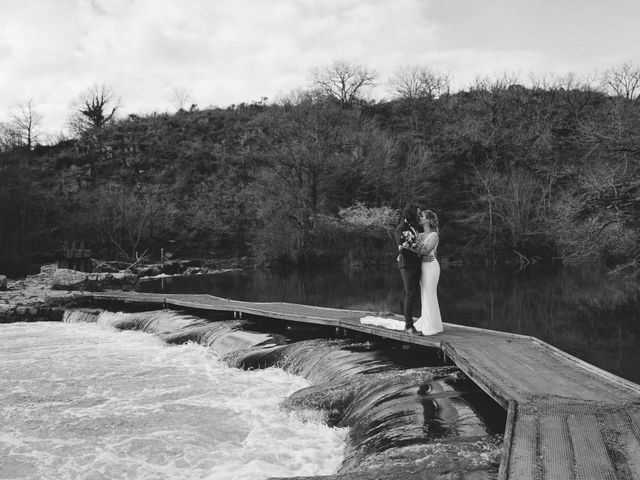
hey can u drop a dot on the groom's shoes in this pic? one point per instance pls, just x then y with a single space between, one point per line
412 330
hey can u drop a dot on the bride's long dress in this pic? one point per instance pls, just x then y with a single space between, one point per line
430 321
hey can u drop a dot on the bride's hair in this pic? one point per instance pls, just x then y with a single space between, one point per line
432 220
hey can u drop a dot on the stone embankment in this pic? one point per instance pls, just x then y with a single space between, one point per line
64 279
43 296
32 299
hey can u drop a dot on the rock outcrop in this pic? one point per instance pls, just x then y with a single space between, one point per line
64 279
32 300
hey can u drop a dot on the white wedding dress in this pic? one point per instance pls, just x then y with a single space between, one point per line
430 321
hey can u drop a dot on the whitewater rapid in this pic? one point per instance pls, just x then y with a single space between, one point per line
86 401
166 394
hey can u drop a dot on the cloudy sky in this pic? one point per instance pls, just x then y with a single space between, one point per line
230 51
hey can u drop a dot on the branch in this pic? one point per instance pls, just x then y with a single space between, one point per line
138 259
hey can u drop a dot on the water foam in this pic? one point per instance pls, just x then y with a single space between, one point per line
391 414
85 401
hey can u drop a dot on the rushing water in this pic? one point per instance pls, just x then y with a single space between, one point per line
84 401
168 395
580 310
96 398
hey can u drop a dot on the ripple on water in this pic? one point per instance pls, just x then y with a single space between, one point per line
84 401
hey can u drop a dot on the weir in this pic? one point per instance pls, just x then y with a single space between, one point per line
403 410
566 419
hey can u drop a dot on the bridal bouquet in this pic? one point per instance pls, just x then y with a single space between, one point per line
409 241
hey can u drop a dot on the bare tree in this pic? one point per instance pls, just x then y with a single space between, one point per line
419 82
93 109
344 81
180 97
405 83
26 124
623 81
9 137
124 219
496 83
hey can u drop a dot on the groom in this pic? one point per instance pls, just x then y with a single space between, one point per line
409 262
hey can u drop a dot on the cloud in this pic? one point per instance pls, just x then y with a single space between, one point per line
232 51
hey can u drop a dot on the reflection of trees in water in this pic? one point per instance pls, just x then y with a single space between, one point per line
579 309
540 303
358 288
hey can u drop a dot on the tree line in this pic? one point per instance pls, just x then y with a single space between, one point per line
537 171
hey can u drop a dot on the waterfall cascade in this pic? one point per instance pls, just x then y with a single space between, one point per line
402 411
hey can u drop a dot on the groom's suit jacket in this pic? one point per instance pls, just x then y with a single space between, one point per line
408 259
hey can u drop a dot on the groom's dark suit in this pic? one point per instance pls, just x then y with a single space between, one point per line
409 264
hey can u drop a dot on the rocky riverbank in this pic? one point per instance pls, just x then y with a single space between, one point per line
33 299
43 296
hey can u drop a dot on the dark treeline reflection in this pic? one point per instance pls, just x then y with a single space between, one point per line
580 310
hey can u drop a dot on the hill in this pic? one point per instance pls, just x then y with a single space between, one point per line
514 173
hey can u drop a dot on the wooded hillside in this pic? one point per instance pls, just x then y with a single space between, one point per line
514 173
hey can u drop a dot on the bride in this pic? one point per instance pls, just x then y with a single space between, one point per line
430 321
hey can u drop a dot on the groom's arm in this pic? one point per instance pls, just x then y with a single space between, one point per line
398 236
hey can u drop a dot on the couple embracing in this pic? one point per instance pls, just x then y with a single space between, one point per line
417 238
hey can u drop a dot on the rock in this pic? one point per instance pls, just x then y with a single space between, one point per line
191 263
65 279
110 266
148 271
210 264
120 280
170 267
193 271
48 269
3 282
31 295
104 267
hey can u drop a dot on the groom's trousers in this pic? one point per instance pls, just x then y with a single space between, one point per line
411 281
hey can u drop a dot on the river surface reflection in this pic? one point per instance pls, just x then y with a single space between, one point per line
581 310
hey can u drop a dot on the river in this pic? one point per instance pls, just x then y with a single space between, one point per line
85 401
170 395
581 310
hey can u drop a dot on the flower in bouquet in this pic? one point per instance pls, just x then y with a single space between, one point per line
409 240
